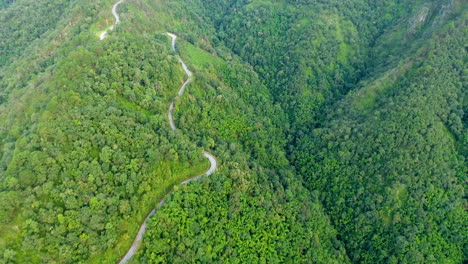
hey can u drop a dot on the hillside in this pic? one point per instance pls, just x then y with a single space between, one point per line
340 129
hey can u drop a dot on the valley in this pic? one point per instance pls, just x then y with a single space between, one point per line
256 132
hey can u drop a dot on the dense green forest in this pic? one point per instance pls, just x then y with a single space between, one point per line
340 128
260 208
348 85
86 149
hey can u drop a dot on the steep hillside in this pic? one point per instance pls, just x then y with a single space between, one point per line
388 162
375 96
253 208
340 129
87 150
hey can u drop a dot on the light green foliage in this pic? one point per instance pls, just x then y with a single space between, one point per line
375 117
232 218
252 209
86 150
340 128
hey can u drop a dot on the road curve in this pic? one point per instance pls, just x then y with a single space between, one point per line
117 20
169 115
213 162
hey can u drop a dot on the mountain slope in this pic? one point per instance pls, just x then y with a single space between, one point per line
253 208
376 108
86 149
389 154
340 128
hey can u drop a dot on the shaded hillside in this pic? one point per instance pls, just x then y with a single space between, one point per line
87 151
376 100
340 128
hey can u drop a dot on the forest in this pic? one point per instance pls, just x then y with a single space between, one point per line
340 128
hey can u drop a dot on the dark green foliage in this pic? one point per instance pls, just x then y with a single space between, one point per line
232 218
88 152
5 3
253 209
375 94
340 127
99 153
390 176
25 22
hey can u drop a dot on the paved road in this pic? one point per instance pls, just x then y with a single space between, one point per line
169 115
213 162
117 20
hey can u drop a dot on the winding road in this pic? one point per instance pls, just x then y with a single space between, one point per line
211 158
117 20
213 162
